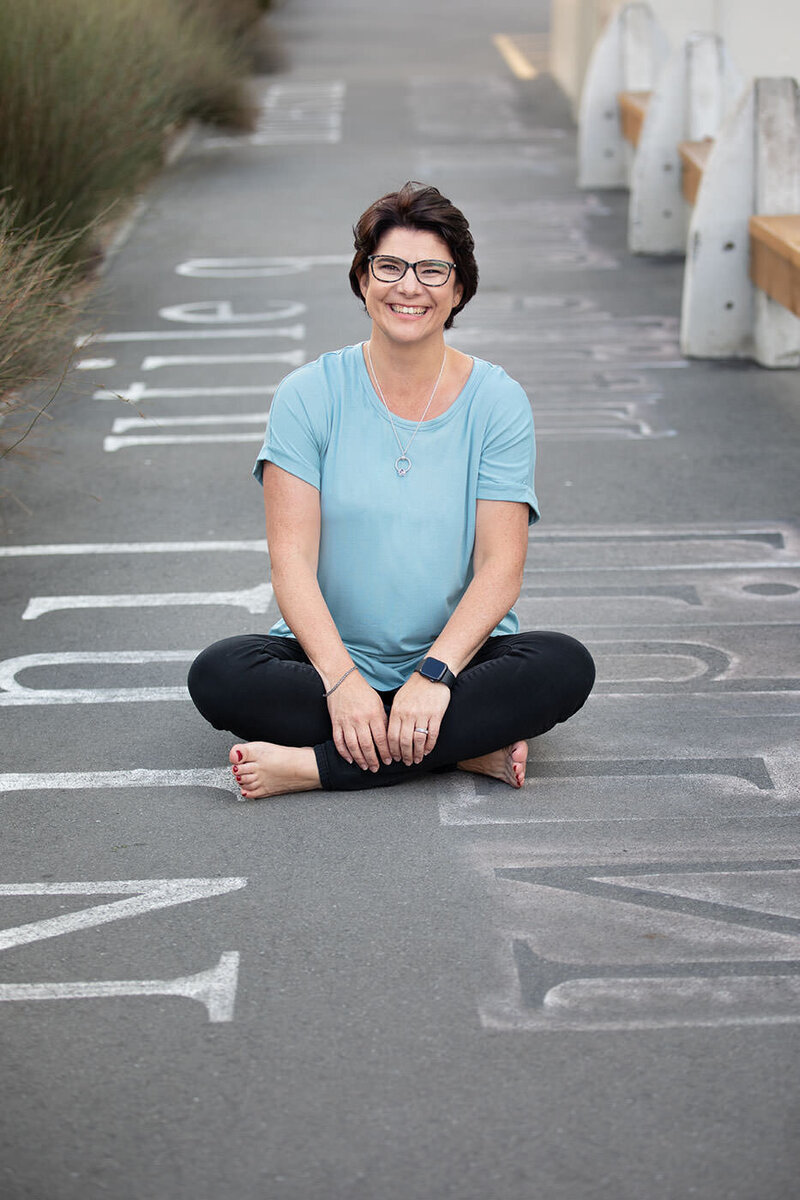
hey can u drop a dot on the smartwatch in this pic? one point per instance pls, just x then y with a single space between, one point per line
436 671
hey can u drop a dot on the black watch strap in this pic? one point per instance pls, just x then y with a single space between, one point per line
437 671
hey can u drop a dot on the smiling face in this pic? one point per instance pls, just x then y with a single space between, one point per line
407 310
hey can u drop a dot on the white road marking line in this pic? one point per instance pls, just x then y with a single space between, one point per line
145 895
218 778
123 424
254 545
253 600
112 444
258 268
295 332
215 988
671 944
294 113
220 312
94 364
18 695
137 391
293 358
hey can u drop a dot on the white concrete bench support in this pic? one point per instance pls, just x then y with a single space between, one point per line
754 168
697 87
627 58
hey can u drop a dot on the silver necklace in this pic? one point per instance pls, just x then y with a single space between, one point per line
402 464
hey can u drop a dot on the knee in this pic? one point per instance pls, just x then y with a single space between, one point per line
562 665
211 676
575 666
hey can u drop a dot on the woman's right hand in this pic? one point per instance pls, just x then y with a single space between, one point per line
359 723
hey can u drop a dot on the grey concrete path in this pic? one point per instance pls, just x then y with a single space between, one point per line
589 988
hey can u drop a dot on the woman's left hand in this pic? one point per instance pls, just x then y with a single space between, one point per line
418 706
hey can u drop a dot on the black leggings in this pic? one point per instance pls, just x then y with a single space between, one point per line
263 688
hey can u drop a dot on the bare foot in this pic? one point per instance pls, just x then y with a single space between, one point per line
264 769
507 765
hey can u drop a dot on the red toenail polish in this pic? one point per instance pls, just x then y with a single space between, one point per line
239 755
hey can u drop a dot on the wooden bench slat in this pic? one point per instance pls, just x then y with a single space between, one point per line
775 258
632 108
694 156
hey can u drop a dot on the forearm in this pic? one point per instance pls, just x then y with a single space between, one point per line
492 592
304 610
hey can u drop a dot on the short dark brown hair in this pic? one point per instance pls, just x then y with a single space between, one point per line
417 206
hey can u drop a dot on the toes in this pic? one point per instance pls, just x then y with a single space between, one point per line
236 755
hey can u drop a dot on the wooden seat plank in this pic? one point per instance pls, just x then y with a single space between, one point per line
775 258
632 108
694 156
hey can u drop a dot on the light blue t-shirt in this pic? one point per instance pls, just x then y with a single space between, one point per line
395 553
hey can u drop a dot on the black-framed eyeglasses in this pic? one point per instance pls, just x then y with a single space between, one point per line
431 272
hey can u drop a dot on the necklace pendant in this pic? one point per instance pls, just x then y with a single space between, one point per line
402 465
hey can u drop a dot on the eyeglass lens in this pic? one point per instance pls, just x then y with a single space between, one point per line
430 271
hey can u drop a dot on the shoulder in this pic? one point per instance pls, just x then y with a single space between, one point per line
321 376
500 397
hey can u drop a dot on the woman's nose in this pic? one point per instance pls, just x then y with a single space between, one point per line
409 283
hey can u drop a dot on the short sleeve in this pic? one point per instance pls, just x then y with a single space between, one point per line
508 454
295 433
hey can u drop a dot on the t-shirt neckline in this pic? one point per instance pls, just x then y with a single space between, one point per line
404 422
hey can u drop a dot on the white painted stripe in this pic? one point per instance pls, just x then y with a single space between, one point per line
112 444
94 364
253 600
220 312
126 887
294 358
257 268
219 778
17 695
214 988
294 113
123 424
145 895
30 697
137 391
255 545
295 332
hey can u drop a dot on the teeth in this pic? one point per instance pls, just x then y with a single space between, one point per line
402 308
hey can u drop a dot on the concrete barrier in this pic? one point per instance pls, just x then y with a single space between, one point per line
696 89
753 170
627 58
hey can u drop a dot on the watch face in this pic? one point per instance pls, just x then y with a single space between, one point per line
433 669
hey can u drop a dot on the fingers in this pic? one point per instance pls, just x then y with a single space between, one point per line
434 725
402 738
411 738
365 745
358 721
380 740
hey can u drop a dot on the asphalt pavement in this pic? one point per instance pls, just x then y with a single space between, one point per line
589 988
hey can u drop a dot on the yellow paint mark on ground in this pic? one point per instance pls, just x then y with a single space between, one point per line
524 54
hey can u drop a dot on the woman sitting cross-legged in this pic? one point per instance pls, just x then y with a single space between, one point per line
398 488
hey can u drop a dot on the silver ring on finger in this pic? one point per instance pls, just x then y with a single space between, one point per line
423 731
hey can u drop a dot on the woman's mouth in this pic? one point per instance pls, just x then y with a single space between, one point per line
408 310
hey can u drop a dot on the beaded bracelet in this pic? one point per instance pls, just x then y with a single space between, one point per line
330 691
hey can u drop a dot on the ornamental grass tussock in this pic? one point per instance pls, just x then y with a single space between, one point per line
87 90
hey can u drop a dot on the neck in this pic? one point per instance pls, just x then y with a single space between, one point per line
406 369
